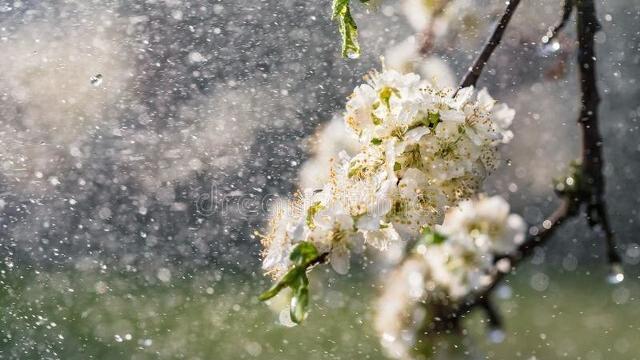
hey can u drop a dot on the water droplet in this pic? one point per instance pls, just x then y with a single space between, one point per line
497 335
164 275
96 80
616 274
118 338
353 55
504 265
285 318
504 292
548 48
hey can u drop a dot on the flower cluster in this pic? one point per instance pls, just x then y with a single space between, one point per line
474 232
445 266
329 140
422 150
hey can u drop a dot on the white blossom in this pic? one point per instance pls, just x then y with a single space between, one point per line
447 270
422 150
331 139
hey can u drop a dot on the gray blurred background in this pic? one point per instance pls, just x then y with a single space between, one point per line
196 95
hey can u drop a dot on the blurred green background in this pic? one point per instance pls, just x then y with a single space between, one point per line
105 315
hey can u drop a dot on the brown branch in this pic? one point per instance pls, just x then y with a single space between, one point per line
539 235
320 259
592 194
471 77
592 160
495 320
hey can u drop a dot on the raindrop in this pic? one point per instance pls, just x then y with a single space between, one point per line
164 275
118 338
96 80
353 55
616 274
497 335
549 47
539 281
285 318
504 292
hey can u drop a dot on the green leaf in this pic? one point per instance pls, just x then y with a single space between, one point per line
376 141
300 304
303 254
348 28
432 237
290 278
273 291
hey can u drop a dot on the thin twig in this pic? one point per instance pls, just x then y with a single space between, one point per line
320 259
567 9
538 236
471 77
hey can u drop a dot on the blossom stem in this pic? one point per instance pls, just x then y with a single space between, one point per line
320 259
471 77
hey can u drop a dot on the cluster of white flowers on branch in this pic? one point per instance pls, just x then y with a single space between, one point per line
423 150
444 267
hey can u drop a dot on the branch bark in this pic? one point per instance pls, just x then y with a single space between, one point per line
592 160
592 195
471 77
567 8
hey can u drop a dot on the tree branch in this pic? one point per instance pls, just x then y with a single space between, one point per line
592 161
493 316
474 72
539 235
567 9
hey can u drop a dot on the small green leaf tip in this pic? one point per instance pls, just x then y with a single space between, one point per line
348 28
432 237
273 291
287 281
303 255
299 308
